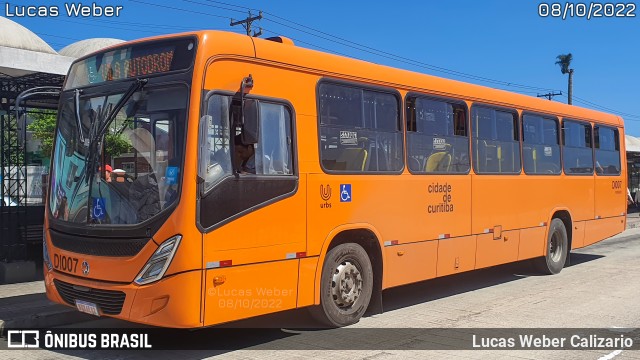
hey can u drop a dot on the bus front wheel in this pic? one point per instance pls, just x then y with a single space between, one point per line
556 250
346 286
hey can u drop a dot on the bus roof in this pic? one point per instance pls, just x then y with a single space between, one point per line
345 68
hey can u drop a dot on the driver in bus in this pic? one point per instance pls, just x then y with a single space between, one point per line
245 156
144 193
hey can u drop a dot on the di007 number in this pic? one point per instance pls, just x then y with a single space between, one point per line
65 263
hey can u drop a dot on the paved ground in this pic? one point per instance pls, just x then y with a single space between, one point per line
600 289
633 220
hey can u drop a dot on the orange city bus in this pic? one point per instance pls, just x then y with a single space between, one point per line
207 177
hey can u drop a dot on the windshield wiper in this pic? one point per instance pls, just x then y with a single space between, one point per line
76 105
104 123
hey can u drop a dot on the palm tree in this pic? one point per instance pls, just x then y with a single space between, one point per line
564 60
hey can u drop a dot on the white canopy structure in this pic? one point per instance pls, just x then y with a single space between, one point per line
632 144
88 46
22 52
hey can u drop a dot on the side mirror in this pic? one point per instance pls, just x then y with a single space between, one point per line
250 124
203 146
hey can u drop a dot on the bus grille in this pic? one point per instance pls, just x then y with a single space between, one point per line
97 246
110 302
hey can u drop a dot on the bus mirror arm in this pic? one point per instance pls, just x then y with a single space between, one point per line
247 83
248 114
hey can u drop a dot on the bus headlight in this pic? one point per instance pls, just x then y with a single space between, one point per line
45 250
157 265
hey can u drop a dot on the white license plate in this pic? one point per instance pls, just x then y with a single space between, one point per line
87 307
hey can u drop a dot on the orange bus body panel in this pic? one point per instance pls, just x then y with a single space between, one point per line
494 250
598 230
577 238
456 255
532 242
406 263
250 290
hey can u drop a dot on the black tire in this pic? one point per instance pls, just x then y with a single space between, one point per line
557 249
351 265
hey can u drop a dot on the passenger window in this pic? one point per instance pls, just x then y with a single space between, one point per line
607 144
577 148
496 144
359 130
540 145
437 140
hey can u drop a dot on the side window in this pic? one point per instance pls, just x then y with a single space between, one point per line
166 160
239 177
218 163
540 145
437 139
128 167
496 144
72 175
359 130
607 144
271 155
273 150
577 148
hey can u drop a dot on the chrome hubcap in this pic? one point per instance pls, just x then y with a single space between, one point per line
346 284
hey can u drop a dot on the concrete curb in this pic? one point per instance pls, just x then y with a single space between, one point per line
58 316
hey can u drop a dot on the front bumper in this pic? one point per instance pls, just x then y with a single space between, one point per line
174 301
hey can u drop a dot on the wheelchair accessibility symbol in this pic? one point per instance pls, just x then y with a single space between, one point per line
171 175
98 209
345 192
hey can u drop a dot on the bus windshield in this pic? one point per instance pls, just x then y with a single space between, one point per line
126 174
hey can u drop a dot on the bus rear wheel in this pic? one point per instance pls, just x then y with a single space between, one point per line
346 286
556 251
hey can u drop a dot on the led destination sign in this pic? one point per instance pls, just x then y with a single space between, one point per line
132 62
144 65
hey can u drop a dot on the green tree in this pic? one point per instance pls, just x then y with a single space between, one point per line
115 144
564 61
43 128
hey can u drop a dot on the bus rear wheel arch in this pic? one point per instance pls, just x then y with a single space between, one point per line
346 286
556 249
350 279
